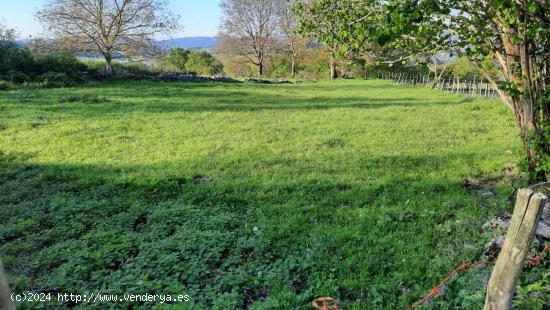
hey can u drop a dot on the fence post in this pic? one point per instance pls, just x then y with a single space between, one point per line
502 284
5 295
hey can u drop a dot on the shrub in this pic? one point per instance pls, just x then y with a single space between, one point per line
19 65
13 58
61 63
56 79
5 85
464 68
18 77
194 62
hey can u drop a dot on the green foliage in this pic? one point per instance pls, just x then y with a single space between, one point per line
334 22
463 68
532 293
245 195
178 58
315 64
194 62
19 66
58 63
514 33
5 85
18 77
281 66
203 63
13 58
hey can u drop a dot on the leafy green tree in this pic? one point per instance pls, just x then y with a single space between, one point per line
203 63
343 25
178 58
513 33
463 67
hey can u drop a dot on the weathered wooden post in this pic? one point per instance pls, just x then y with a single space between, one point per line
511 259
5 295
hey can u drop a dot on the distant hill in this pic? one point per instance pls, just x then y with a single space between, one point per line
193 43
23 42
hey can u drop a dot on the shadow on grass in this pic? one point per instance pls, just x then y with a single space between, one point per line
85 228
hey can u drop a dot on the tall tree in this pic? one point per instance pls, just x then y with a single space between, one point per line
514 34
112 28
288 24
248 29
7 34
338 24
178 58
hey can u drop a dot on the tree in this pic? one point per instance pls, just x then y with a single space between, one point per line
248 29
294 43
338 24
513 34
178 58
7 34
112 28
203 63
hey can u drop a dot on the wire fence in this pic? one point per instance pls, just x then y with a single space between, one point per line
475 86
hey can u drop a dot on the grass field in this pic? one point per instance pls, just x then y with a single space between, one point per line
244 195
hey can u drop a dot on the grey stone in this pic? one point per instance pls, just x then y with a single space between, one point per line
545 217
543 230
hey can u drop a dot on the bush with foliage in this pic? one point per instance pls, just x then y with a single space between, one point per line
61 63
14 59
5 85
463 68
193 62
177 57
18 66
203 63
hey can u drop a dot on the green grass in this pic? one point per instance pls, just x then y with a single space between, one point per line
245 195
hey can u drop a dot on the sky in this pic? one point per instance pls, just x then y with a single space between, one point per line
199 17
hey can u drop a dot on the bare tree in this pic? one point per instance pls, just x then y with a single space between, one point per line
7 34
248 29
112 28
294 43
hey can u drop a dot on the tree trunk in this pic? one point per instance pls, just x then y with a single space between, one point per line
260 68
260 63
108 65
293 69
333 72
529 132
527 98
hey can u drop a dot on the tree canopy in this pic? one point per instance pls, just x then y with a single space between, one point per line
514 34
112 28
248 29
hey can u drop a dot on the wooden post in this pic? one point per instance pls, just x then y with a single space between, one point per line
502 284
5 295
